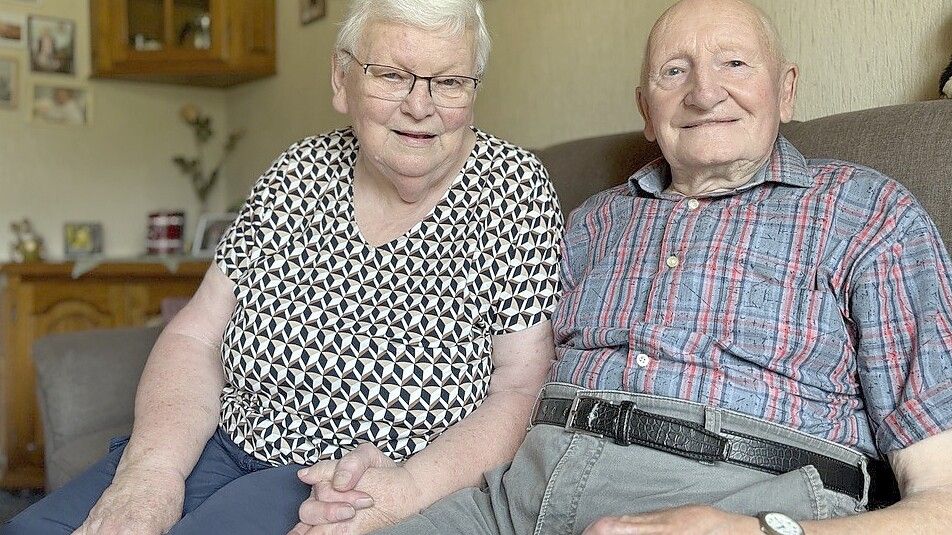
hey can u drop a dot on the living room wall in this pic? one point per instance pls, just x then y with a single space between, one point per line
113 170
564 69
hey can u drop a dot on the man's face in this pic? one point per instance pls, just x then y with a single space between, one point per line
715 94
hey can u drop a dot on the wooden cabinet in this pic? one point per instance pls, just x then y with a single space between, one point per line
212 43
43 298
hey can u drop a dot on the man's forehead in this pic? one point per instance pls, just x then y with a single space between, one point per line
686 31
693 32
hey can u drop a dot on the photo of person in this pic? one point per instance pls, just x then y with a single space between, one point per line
210 229
62 105
51 44
8 83
11 30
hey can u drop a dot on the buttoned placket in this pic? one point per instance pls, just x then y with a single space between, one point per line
683 214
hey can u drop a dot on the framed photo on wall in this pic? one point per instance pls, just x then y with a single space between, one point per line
52 44
60 104
82 239
210 229
12 30
312 10
9 83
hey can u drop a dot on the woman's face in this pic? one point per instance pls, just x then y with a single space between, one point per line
413 143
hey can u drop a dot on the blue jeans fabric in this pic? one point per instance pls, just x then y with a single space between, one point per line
228 491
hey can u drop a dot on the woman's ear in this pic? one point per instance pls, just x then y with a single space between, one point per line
338 83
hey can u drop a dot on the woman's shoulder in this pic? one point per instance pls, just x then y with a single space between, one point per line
499 148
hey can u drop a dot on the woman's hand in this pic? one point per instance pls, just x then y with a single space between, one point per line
141 501
361 492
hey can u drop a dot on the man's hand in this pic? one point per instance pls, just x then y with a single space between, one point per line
361 492
685 520
143 501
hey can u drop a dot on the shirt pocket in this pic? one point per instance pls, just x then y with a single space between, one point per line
781 320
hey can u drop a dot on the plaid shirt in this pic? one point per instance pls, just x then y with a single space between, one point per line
818 297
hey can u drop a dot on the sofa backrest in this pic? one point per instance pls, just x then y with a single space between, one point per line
911 143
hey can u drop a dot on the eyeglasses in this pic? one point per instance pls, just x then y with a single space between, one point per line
391 83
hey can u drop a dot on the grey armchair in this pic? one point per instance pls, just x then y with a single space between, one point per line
86 384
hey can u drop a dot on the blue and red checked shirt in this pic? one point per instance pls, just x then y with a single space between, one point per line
818 296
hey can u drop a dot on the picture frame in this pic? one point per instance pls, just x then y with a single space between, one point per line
9 83
82 239
208 232
61 104
12 30
312 10
52 44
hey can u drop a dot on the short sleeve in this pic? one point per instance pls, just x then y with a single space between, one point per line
240 245
526 234
900 304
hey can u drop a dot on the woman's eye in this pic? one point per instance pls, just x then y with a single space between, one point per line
673 71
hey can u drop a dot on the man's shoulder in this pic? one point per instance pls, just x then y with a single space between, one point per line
854 182
599 201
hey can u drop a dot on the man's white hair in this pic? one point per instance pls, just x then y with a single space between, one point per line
454 17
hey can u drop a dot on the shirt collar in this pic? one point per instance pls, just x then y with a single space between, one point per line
785 166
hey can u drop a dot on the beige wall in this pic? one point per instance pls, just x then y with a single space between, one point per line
115 170
560 69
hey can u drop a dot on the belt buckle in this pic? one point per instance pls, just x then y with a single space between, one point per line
570 418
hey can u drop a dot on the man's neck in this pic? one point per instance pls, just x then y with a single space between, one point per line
708 181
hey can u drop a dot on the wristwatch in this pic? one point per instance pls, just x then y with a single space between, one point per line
773 523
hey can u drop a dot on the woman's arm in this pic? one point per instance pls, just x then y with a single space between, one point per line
176 412
486 438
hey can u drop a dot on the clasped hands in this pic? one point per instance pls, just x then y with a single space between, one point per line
363 491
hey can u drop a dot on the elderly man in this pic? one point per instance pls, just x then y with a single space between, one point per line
745 336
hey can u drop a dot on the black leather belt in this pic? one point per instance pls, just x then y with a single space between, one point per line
625 424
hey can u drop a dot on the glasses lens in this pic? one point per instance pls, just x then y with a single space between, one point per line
391 83
453 91
388 83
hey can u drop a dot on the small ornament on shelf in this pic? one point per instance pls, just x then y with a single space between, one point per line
27 245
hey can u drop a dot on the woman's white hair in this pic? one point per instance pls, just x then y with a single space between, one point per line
454 17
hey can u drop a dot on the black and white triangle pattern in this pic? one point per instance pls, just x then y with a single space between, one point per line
335 342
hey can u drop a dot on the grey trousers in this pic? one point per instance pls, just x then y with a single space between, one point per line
560 482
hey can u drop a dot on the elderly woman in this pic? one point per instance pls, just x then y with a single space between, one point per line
386 286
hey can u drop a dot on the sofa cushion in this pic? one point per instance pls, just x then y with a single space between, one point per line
74 456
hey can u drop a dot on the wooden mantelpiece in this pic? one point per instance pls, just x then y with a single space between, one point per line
44 298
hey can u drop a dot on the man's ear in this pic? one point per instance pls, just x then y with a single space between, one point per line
788 92
642 103
338 85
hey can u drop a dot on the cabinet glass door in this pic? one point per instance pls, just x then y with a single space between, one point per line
146 24
192 24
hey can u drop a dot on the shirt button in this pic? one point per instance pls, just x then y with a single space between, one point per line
672 261
642 360
693 204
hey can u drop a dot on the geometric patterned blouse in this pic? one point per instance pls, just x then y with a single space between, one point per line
335 342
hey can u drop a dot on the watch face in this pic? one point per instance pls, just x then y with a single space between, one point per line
782 524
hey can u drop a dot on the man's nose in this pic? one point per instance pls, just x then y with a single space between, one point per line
419 103
707 90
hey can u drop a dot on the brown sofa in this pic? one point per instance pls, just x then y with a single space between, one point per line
87 380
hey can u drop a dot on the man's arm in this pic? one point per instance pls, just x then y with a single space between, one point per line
486 438
176 411
924 473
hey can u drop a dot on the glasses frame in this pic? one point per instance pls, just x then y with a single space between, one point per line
429 80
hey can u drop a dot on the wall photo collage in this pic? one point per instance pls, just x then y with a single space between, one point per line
38 66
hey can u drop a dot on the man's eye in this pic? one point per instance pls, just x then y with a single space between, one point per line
392 76
673 71
449 83
736 63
